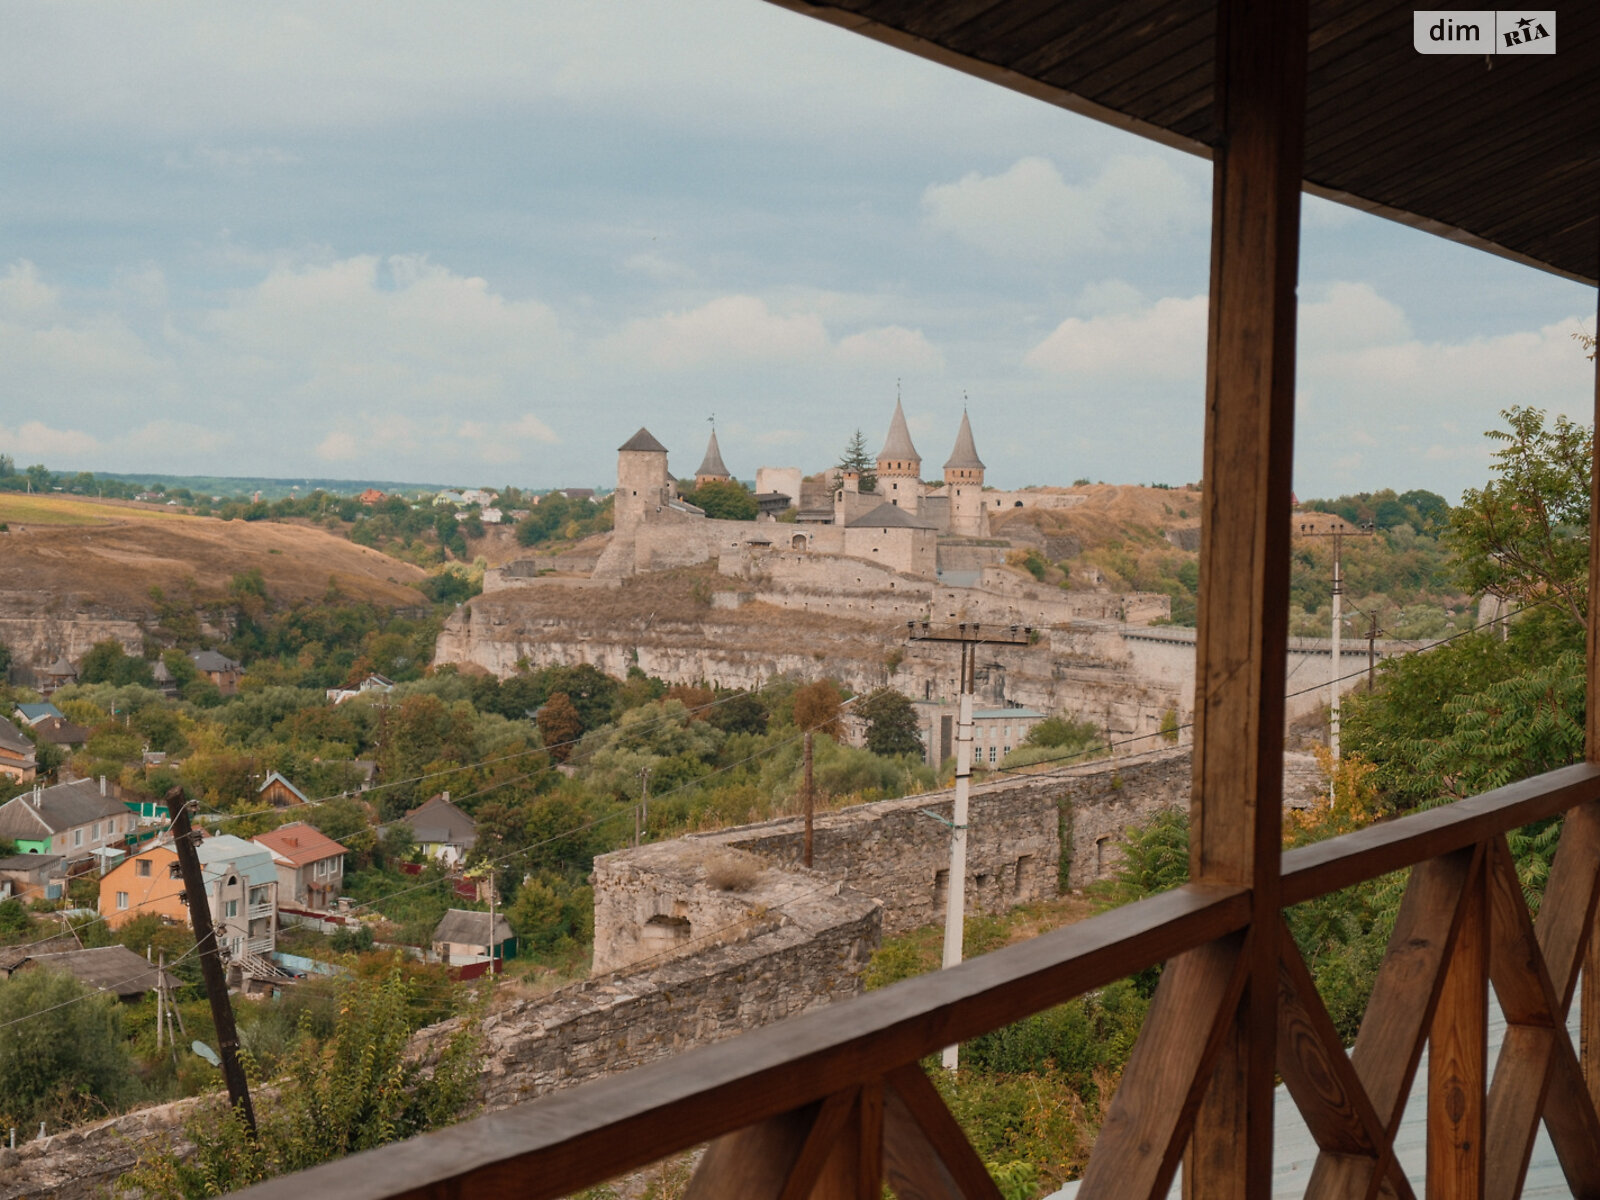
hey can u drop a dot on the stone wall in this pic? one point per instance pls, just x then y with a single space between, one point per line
81 1163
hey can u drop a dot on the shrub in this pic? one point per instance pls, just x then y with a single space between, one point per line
731 870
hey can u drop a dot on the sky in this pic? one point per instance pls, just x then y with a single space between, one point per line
483 244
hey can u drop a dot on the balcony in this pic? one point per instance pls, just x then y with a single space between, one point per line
835 1104
257 911
259 945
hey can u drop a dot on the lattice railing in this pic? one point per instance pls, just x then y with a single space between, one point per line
835 1104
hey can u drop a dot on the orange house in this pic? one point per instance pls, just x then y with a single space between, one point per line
148 882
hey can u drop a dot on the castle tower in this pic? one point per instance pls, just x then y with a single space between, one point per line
643 484
899 465
963 484
711 468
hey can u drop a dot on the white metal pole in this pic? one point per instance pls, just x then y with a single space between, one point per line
955 907
1338 596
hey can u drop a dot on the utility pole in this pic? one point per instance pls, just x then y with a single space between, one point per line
211 970
1372 651
1338 531
967 637
492 946
641 814
810 800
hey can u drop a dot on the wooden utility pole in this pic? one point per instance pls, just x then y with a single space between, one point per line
211 969
810 800
1372 651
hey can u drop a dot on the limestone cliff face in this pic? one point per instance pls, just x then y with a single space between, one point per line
44 637
1084 668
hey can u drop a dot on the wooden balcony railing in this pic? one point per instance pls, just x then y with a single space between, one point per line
834 1103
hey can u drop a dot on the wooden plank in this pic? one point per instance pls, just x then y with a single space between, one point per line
926 1152
1589 1011
1236 819
1537 1072
1193 1011
1351 858
1405 993
1567 912
1458 1051
852 1168
808 1164
635 1118
753 1163
1323 1082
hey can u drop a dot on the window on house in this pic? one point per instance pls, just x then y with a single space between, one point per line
230 908
143 868
174 871
122 899
77 837
94 832
992 753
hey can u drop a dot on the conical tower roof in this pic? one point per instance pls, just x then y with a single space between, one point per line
711 465
643 440
898 444
965 455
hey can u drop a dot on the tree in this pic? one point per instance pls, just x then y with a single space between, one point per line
66 1056
1524 536
724 499
743 713
816 709
107 662
891 723
560 726
856 458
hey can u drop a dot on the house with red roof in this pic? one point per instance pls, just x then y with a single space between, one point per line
310 864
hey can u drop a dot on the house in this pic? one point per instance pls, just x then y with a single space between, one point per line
161 675
449 499
17 758
464 936
310 865
71 819
114 969
442 830
58 731
219 669
33 876
372 683
241 887
279 792
371 496
492 516
56 676
477 496
580 494
996 732
32 714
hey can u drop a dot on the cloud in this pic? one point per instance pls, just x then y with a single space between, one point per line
234 161
1162 341
1030 211
25 296
893 347
36 440
1349 316
729 329
339 446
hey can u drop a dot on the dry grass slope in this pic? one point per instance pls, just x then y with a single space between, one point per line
89 556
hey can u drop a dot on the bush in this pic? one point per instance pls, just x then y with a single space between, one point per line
731 870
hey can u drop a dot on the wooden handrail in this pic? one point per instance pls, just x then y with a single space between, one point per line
1351 858
635 1118
571 1139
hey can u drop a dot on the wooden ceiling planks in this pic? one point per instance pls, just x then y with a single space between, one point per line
1500 153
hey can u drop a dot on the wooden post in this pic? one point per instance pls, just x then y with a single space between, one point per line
1236 822
1458 1058
1589 1004
205 936
810 800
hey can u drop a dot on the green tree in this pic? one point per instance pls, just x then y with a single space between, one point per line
358 1089
724 499
891 723
1525 534
65 1058
857 458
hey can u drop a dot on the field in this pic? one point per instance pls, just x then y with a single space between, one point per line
63 555
22 508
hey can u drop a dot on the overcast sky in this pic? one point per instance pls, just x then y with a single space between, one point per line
483 243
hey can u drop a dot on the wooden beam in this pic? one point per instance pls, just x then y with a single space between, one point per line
1193 1013
1589 1008
926 1152
754 1163
1458 1051
1236 818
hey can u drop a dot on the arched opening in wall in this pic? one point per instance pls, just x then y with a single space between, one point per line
982 884
797 542
662 934
1101 846
941 892
1018 504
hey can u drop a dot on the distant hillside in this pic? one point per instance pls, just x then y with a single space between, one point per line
270 489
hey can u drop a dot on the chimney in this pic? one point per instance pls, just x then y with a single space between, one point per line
447 795
38 795
102 785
